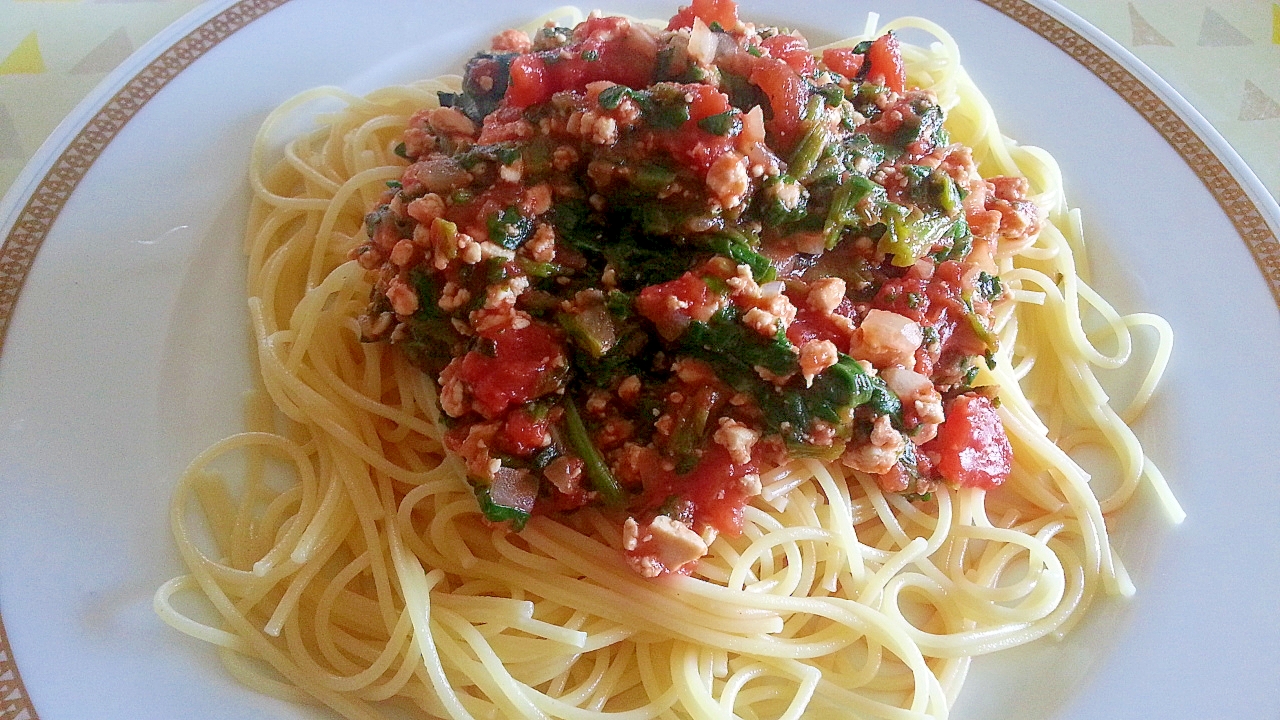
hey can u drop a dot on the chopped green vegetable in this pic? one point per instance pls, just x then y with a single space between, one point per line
988 287
611 97
944 193
735 349
908 238
784 201
690 430
735 247
597 470
664 106
592 329
844 207
653 178
812 144
509 228
725 123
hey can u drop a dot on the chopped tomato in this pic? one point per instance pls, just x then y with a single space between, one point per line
724 12
523 434
713 490
699 147
528 85
614 61
813 325
521 367
707 101
791 50
972 447
787 92
886 63
843 60
672 305
716 490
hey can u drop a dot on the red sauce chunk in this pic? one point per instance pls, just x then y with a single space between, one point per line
972 449
648 265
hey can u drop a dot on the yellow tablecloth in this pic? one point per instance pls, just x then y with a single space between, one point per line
1222 55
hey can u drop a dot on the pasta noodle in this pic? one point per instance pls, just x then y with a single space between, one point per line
347 563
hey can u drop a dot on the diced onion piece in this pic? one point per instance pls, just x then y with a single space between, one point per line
514 489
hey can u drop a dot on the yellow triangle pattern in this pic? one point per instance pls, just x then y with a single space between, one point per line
1144 33
1275 24
25 59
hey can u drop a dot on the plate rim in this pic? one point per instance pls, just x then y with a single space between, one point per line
37 196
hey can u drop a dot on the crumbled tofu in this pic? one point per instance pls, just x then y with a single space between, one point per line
453 393
403 252
542 246
674 543
426 208
761 321
449 121
516 41
453 296
630 534
881 453
816 356
737 438
743 284
536 200
825 295
728 179
404 299
629 390
513 172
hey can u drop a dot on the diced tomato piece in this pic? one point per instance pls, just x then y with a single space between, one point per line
716 490
707 101
813 325
528 84
614 60
886 63
672 305
787 94
522 367
724 12
522 435
791 50
843 60
598 27
683 19
713 488
908 297
972 447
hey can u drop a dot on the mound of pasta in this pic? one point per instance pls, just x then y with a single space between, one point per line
661 371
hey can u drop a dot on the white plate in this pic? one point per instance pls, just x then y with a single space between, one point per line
127 349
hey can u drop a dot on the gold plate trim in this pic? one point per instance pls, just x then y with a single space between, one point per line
1218 180
37 217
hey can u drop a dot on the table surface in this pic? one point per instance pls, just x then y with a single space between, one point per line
1222 55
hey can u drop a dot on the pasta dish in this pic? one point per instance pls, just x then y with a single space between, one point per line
662 370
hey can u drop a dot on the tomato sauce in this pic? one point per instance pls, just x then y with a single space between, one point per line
647 265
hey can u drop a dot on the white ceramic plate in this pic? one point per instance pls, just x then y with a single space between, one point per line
126 350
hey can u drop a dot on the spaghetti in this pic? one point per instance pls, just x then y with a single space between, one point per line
350 564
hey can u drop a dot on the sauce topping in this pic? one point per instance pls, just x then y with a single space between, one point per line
645 265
